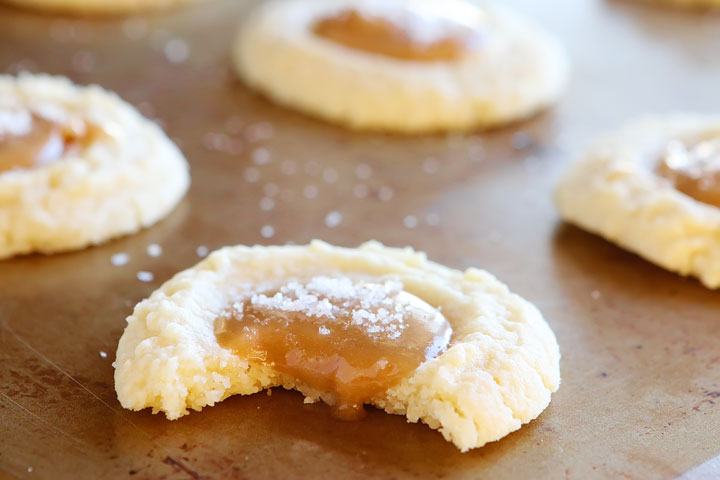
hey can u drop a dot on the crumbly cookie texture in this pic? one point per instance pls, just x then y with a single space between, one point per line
613 191
518 70
499 372
92 7
129 177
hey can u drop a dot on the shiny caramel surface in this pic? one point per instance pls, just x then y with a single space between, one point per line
40 143
407 36
694 168
348 340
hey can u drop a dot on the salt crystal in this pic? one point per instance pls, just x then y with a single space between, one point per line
103 354
176 50
385 194
30 469
323 330
260 156
333 219
83 62
120 259
432 219
267 231
595 295
154 250
267 204
310 191
363 171
145 276
202 251
251 174
410 221
360 190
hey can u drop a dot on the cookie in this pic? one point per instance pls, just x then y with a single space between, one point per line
79 166
401 65
654 189
349 326
94 7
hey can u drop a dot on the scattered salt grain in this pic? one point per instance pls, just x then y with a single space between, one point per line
120 259
333 219
267 204
363 171
310 191
145 276
386 194
154 250
432 219
176 50
360 190
202 251
251 175
260 156
411 221
595 295
267 231
30 469
259 131
103 354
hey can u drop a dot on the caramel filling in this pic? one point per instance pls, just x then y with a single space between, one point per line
348 340
694 169
43 143
406 37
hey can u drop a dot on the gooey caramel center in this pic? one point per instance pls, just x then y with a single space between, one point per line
693 168
407 36
42 143
349 340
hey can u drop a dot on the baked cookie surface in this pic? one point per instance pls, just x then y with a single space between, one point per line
654 189
100 7
79 166
496 373
401 65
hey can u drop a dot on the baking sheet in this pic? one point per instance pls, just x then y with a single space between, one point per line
641 346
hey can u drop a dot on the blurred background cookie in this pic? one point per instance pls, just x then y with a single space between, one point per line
79 166
409 66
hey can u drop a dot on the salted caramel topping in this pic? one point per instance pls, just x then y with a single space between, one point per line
40 143
406 36
349 340
694 169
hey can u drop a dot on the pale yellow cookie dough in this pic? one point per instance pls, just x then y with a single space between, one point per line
499 372
516 70
613 190
91 7
129 177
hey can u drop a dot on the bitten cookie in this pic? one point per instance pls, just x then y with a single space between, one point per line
654 188
79 166
375 325
402 65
